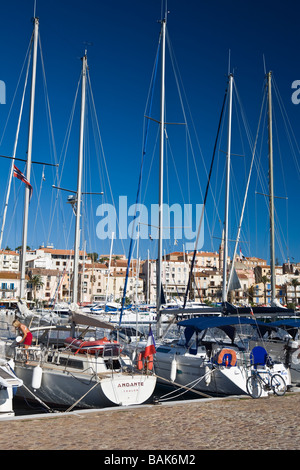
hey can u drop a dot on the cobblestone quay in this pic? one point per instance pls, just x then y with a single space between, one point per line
220 424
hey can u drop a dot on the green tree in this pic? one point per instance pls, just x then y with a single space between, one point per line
36 281
265 280
93 256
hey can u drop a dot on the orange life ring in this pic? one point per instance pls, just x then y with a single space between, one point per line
140 363
227 357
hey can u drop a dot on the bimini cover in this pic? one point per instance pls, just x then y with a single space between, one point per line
291 325
227 324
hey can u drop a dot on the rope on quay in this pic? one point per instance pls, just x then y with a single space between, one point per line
39 400
183 386
55 411
76 402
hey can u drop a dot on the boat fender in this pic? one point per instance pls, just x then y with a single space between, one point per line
296 356
207 376
227 357
37 374
133 356
173 370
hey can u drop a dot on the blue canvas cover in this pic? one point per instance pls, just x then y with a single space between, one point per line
226 324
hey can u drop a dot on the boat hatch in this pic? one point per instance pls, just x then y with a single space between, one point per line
75 363
163 350
66 361
113 364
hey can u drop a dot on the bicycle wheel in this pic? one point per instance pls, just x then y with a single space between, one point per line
253 386
278 384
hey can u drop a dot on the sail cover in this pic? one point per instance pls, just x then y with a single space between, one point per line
90 320
234 282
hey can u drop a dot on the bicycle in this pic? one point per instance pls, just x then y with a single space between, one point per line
260 380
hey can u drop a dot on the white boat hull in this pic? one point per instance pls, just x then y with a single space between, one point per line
8 383
197 373
60 388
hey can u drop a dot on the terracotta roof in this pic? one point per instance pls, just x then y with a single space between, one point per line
56 251
11 275
45 272
96 266
242 276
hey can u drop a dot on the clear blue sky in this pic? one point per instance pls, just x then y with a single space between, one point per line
125 35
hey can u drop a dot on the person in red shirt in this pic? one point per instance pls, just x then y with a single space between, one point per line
26 335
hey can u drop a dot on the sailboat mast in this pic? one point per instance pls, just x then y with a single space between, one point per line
225 253
29 153
271 192
161 172
79 180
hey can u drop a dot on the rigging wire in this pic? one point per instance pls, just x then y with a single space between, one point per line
181 94
8 187
246 191
58 176
204 201
279 232
15 93
138 195
102 150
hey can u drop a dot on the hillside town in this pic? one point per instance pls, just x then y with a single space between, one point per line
49 273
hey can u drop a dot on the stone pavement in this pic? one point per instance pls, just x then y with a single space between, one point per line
213 424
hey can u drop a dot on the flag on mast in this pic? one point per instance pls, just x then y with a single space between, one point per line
150 346
18 174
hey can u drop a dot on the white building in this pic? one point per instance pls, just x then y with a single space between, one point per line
9 287
9 261
53 258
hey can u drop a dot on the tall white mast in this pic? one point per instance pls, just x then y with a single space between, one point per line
79 180
109 265
29 153
271 193
225 253
161 173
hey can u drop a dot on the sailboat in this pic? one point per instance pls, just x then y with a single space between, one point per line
213 355
64 372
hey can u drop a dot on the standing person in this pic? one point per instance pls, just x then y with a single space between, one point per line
26 335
